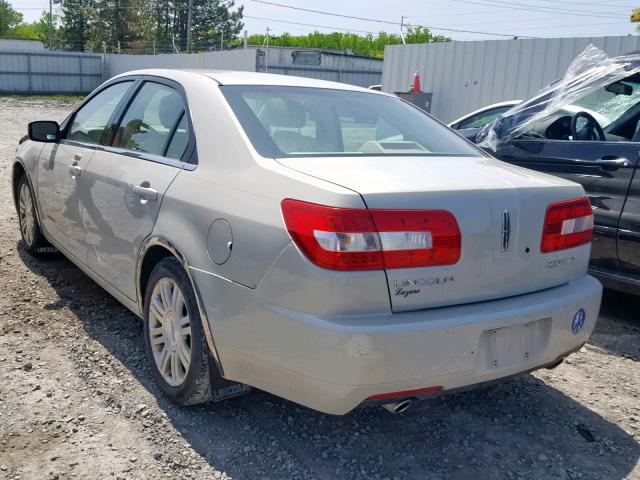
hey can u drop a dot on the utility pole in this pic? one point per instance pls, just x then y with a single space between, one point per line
245 42
189 14
104 61
173 43
222 39
266 57
402 30
50 24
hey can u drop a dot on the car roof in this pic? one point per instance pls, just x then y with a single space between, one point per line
230 77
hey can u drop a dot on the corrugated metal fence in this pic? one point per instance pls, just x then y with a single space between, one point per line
49 72
65 72
242 60
464 76
339 68
332 66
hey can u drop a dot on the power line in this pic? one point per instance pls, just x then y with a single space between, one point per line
316 26
326 13
573 26
307 24
387 22
505 21
457 30
607 5
511 20
525 7
535 20
559 9
490 12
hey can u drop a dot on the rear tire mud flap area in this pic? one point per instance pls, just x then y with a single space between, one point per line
223 389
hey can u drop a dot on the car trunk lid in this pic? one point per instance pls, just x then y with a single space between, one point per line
500 210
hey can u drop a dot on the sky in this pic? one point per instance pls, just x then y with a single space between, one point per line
491 19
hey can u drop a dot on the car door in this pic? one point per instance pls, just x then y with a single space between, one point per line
629 231
61 166
604 169
125 182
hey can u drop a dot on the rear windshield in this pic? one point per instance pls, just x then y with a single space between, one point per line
285 121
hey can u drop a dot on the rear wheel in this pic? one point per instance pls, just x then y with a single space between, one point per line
32 237
174 338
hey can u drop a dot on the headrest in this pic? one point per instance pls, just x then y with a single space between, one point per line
277 112
169 110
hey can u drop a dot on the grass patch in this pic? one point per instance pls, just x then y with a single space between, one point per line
45 96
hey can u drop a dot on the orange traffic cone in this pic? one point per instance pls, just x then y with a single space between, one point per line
416 83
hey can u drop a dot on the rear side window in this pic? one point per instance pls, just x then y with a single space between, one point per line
283 121
180 139
152 121
91 123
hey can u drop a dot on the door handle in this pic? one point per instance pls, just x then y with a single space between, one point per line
613 163
144 192
75 170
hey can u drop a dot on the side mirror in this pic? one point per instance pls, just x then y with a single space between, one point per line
469 133
44 131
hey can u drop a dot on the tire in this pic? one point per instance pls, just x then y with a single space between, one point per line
167 344
32 236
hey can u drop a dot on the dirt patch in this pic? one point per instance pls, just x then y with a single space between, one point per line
77 399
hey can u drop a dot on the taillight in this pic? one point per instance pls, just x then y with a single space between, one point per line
361 239
567 224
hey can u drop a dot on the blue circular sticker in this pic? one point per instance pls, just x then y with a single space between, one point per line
578 321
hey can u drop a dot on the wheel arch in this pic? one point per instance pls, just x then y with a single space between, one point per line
153 250
17 172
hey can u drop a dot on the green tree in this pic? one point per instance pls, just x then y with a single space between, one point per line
76 18
423 35
367 45
164 24
9 18
39 30
127 23
215 21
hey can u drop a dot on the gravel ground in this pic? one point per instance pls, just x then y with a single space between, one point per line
77 399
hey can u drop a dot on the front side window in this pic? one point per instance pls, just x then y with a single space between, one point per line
91 123
302 121
155 117
614 109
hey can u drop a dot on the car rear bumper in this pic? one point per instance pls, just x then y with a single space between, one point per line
335 363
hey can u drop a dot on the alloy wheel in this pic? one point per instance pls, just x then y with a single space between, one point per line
27 219
170 331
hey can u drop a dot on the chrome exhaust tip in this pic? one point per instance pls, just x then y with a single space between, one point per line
398 407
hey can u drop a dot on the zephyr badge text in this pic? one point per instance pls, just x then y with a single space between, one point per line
405 288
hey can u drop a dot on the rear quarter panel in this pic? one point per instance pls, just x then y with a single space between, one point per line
230 182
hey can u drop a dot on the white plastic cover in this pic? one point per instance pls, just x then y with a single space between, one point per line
590 70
